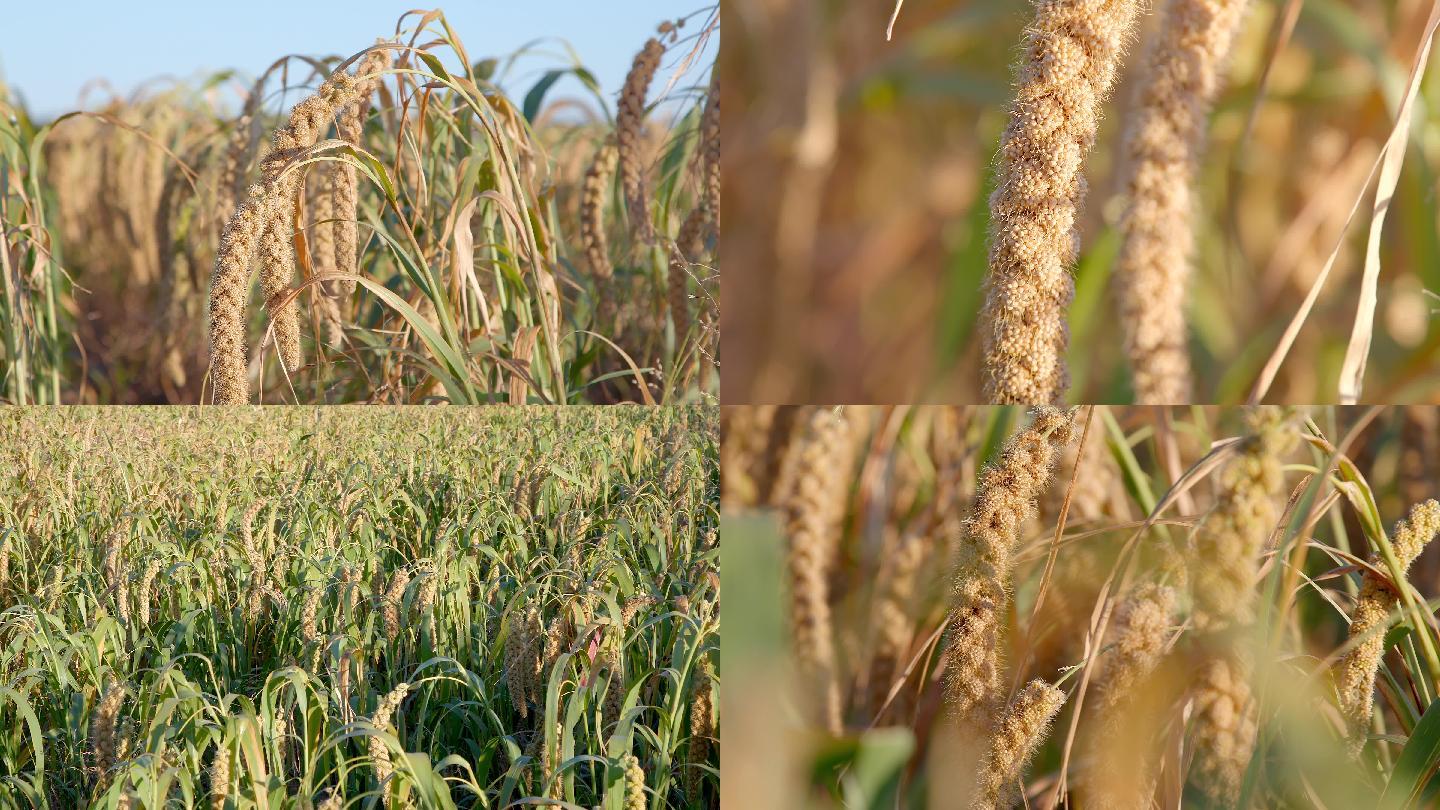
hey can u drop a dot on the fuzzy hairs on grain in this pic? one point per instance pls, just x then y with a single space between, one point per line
1071 52
1018 731
264 224
1225 563
308 122
220 777
1355 682
1005 499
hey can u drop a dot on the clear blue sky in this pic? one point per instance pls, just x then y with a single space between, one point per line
52 49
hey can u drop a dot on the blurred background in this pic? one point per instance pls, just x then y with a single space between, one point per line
857 172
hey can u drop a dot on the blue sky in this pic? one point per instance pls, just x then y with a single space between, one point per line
52 49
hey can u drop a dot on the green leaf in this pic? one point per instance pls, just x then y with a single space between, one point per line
485 68
1396 634
879 759
32 724
998 430
455 382
433 62
376 170
536 96
1136 482
1416 763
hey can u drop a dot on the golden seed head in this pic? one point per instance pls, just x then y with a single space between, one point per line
1355 674
1005 499
689 244
425 600
1018 731
1071 52
702 732
390 610
385 710
710 151
629 133
1183 74
265 224
1223 726
634 783
379 751
632 607
1225 561
308 628
1131 703
1145 622
593 191
102 728
344 189
520 660
220 778
147 587
813 498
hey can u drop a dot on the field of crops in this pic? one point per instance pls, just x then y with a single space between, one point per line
1105 607
417 233
352 607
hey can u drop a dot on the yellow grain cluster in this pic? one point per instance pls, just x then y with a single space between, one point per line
1126 714
265 225
813 499
1008 731
629 136
1162 144
594 189
1005 500
1071 52
379 751
1356 673
1223 573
